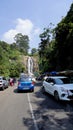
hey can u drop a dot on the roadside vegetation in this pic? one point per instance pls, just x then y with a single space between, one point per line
9 60
56 46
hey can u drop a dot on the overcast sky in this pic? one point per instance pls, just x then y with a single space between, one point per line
29 17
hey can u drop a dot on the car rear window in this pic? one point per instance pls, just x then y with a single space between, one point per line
24 79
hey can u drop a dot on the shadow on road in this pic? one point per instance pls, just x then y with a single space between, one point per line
22 91
50 114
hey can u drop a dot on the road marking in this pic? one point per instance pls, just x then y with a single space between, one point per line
31 109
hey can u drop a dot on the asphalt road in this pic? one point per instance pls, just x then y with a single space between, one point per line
33 111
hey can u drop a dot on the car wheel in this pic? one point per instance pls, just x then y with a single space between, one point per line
2 87
7 86
56 96
32 90
18 90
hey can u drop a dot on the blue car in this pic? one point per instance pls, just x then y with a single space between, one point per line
25 84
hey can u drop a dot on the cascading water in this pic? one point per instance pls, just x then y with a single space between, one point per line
30 66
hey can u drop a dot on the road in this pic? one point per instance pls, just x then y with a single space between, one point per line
33 111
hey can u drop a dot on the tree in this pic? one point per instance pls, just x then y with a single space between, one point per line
34 51
16 69
43 49
57 54
64 41
22 42
10 60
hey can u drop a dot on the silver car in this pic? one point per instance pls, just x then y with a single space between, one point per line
3 83
60 87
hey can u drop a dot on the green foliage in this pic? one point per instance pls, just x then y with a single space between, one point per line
57 54
44 49
16 69
34 51
69 17
22 42
64 42
10 64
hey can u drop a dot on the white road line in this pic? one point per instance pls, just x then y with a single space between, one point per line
31 109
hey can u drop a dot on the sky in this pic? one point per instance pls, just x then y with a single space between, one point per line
30 17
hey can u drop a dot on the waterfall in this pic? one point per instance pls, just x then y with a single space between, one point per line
30 66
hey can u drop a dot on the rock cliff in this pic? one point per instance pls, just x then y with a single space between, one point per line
35 63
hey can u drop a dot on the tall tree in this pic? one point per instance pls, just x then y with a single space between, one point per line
22 41
45 48
58 53
45 39
64 41
34 51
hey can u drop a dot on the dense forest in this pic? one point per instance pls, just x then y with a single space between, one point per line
56 46
11 56
55 49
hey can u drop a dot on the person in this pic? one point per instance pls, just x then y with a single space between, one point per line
11 81
14 80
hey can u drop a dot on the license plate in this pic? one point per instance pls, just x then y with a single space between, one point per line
25 88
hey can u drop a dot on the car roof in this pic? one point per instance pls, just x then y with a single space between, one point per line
56 77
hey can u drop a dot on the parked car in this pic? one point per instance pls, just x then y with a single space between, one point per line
3 83
25 84
60 87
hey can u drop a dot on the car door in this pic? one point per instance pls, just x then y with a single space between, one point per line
50 85
47 85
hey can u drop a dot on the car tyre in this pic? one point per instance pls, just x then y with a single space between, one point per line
32 90
18 91
3 87
56 96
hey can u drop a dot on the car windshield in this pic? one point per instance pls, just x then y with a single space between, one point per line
62 81
24 80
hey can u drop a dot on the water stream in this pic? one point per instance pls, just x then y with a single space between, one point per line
30 66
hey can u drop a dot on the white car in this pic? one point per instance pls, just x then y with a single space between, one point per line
3 83
59 86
